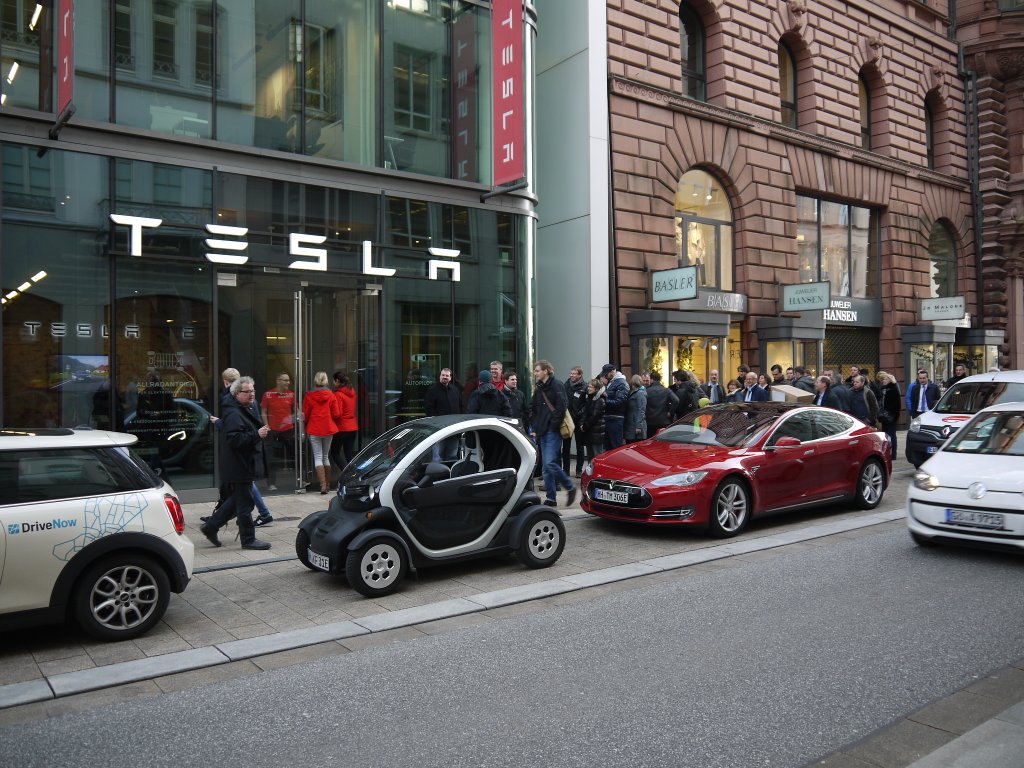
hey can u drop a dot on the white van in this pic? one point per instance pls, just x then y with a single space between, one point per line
956 406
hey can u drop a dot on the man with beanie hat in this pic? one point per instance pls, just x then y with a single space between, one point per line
487 399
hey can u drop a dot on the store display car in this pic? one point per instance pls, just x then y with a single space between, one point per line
435 490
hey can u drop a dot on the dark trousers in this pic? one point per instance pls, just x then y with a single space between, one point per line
343 449
281 456
567 451
238 504
613 432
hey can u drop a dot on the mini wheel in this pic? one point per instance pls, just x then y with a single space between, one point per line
730 509
377 567
302 549
870 485
542 541
121 596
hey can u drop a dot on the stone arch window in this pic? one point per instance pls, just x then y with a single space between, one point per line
864 92
929 134
942 256
704 229
787 85
692 48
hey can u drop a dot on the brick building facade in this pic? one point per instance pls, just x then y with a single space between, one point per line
784 142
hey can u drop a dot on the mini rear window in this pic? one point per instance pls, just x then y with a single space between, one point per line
68 473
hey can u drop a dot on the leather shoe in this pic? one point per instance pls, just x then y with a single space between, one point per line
550 503
255 544
571 497
210 534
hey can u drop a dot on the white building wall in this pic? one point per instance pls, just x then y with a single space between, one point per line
572 283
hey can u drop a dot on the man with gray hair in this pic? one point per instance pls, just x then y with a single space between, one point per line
241 461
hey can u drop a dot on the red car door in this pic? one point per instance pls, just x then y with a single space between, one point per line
837 454
783 473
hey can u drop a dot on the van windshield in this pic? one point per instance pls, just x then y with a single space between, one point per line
972 397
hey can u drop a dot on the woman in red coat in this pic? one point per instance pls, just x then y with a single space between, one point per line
343 449
321 413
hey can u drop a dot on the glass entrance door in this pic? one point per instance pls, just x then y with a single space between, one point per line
282 331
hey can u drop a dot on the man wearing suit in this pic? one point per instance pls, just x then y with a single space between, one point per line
751 392
922 394
713 389
825 393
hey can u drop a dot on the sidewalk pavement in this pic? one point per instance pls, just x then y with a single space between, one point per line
248 611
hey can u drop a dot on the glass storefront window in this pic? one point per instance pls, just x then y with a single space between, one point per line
839 243
942 253
26 59
703 229
56 307
654 356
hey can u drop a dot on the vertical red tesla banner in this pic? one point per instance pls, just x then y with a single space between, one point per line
464 75
65 53
509 107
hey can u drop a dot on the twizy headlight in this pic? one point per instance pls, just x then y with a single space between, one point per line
681 479
926 481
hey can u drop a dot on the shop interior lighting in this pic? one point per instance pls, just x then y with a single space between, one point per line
38 276
3 99
35 17
24 286
11 295
13 73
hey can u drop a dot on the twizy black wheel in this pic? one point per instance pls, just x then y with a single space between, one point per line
870 485
542 541
730 509
302 549
121 596
376 568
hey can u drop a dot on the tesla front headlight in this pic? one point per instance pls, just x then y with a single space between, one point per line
926 481
681 479
915 424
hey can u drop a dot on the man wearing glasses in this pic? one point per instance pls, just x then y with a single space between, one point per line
241 453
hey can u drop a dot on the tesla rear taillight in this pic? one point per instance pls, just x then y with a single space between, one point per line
176 513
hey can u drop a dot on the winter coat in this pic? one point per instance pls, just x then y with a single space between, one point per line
635 426
661 406
517 402
830 398
688 398
321 412
574 397
440 400
592 419
806 383
864 406
544 419
241 447
891 402
346 397
616 392
488 400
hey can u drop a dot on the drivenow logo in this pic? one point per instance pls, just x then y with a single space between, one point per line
52 525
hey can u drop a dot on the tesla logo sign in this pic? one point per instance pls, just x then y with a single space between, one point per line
228 246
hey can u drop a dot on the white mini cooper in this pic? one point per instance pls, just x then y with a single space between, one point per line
88 532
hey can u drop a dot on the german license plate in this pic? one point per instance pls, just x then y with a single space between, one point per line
931 449
974 519
618 497
323 562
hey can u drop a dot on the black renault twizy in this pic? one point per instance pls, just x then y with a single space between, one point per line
433 490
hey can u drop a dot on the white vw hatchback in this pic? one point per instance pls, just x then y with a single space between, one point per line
88 532
972 489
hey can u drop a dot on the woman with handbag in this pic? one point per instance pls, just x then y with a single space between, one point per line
549 407
635 427
889 406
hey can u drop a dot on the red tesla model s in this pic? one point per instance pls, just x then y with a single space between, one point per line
720 465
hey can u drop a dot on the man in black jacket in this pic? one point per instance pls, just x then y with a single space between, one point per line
661 405
548 408
575 389
441 398
241 457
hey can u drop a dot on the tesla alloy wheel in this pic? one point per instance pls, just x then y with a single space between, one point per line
542 541
730 509
870 485
121 596
376 568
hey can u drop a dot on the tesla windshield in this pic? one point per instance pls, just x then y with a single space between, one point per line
727 426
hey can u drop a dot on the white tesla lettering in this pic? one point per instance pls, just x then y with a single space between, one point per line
136 223
435 264
296 248
226 245
368 268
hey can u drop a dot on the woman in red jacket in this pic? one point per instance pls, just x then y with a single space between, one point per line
343 448
321 413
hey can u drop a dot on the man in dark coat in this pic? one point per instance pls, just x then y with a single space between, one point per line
713 390
548 408
661 405
825 394
442 397
487 399
575 389
751 393
922 395
241 461
802 380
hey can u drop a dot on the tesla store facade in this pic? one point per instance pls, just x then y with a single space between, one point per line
280 187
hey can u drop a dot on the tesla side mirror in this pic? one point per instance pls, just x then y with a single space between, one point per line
786 442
